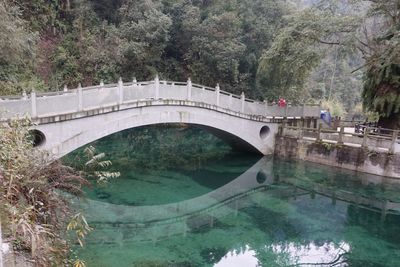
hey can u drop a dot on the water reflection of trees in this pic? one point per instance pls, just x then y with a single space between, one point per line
166 145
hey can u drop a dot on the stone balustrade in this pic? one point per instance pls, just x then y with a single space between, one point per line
42 105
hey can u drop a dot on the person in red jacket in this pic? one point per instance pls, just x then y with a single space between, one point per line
282 102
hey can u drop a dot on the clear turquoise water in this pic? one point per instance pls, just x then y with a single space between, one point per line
236 210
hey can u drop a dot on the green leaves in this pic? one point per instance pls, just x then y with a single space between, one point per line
32 205
80 226
285 68
96 167
381 91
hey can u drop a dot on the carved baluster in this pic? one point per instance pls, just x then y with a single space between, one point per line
217 92
33 104
189 89
157 87
120 91
80 97
243 99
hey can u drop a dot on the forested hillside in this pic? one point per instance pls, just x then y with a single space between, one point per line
67 42
308 50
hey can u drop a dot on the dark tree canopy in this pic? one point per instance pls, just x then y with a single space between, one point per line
87 41
301 50
381 92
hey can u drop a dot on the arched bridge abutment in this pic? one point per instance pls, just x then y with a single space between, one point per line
66 136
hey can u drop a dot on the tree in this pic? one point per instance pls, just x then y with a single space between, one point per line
144 33
381 51
17 46
298 49
216 51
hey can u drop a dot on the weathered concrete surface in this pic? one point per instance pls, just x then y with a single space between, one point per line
11 259
66 136
347 157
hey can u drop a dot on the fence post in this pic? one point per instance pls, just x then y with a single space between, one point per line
217 89
319 132
394 141
308 122
33 104
157 87
189 89
300 133
80 97
242 99
120 91
340 140
286 110
134 82
65 88
283 126
365 137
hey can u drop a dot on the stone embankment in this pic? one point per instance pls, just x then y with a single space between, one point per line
368 152
10 259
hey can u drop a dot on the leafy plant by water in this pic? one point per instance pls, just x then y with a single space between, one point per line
34 213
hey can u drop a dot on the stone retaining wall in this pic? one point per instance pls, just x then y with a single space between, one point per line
342 156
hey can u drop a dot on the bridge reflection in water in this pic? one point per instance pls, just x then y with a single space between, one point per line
177 218
273 212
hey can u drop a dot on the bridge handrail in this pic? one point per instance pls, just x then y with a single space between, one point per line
386 141
203 86
11 97
173 82
113 85
85 100
369 133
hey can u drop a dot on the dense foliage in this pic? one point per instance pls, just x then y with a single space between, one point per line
301 50
297 50
34 210
33 213
382 79
169 146
88 41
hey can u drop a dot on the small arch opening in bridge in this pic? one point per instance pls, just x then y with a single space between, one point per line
261 177
38 138
264 132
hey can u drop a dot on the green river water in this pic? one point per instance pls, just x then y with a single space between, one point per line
185 199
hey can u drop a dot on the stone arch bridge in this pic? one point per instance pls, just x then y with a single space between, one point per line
67 120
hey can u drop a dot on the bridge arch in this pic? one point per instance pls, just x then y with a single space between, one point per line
38 137
73 118
66 136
